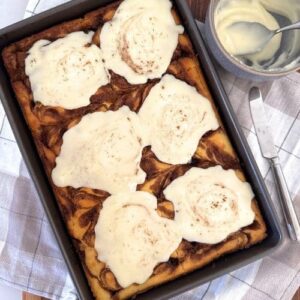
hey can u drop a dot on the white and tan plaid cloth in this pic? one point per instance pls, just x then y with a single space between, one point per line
31 260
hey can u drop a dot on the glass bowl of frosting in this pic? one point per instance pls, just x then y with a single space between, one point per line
277 58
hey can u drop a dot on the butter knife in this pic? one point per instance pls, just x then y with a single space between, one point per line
269 151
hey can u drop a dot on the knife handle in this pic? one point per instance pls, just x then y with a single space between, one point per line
292 221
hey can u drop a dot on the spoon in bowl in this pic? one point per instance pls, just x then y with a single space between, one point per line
252 37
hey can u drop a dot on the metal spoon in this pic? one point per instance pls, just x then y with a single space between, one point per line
253 36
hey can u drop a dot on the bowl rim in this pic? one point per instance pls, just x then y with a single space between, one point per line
232 59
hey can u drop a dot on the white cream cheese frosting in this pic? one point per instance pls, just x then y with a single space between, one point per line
103 152
232 11
66 72
210 204
139 42
131 238
177 116
270 13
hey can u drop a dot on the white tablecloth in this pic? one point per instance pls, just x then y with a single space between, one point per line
30 258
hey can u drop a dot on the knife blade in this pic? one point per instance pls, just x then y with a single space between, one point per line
268 150
261 124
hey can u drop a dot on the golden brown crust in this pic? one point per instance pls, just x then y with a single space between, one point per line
80 207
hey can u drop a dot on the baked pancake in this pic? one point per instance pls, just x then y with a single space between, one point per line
80 207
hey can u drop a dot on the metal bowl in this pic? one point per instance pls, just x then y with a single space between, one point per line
240 69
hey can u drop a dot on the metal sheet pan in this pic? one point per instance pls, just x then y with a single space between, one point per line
23 136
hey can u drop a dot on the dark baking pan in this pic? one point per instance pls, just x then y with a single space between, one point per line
23 136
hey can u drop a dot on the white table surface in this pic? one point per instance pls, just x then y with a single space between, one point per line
11 11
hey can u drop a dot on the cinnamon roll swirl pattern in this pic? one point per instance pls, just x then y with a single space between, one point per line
210 204
132 238
139 42
177 117
99 140
66 72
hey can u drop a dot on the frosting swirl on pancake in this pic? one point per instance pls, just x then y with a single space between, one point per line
131 238
66 72
210 204
138 43
102 152
177 116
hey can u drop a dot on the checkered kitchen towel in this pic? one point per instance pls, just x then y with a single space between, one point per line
30 258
